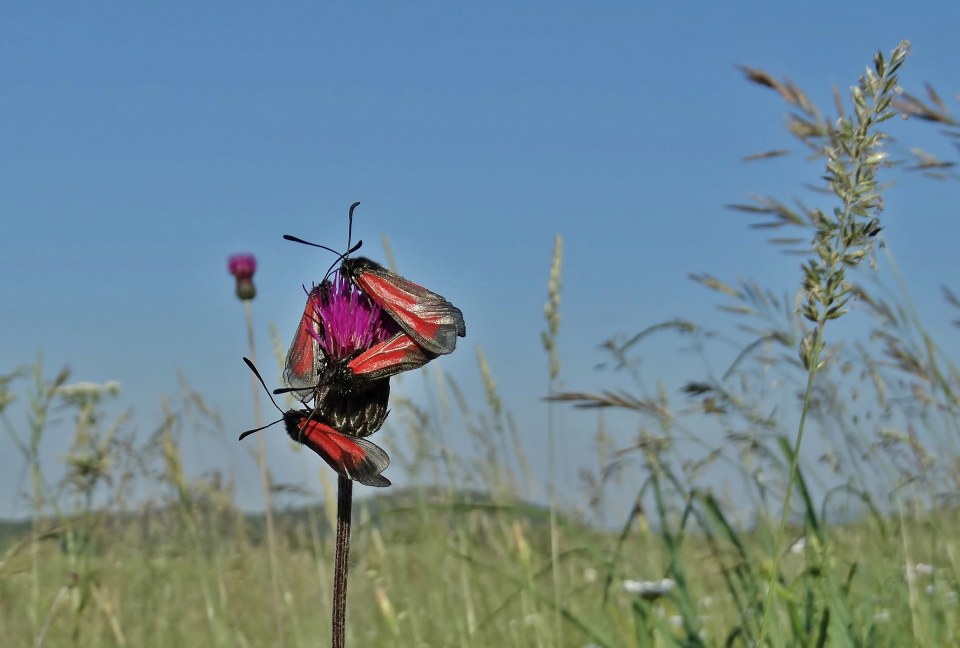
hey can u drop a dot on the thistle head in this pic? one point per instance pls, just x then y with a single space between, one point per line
242 267
350 322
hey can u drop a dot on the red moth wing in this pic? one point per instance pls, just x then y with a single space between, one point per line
353 458
305 358
432 321
390 357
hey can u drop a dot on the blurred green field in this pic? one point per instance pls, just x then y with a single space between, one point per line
428 570
856 547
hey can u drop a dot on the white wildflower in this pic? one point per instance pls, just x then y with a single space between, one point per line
88 389
650 589
912 571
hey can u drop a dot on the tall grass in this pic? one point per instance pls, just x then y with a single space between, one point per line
857 546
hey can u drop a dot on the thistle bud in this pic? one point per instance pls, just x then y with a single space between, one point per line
242 267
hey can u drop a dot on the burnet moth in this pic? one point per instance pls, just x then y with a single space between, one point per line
428 326
308 368
432 322
352 457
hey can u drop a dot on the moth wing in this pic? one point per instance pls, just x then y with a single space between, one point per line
351 457
432 321
390 357
304 357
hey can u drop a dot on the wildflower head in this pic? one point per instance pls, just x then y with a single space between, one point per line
242 267
350 322
912 572
650 590
799 546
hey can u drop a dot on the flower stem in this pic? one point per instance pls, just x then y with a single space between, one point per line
341 560
265 479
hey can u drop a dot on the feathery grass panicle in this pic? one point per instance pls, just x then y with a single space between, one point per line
551 309
853 154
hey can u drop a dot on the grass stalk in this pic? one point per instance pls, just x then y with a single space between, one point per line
62 594
853 155
41 401
265 481
551 311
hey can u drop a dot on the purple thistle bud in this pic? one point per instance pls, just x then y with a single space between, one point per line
242 267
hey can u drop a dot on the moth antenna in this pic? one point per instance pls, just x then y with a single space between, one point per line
296 239
256 373
340 257
260 378
350 224
350 250
249 432
343 256
289 390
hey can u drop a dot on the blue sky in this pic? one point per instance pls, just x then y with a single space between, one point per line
141 144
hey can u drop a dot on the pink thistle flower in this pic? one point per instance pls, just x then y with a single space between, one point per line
343 322
350 321
242 267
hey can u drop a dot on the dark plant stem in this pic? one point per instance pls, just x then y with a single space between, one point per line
341 561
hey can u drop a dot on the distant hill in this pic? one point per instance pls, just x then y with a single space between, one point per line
396 512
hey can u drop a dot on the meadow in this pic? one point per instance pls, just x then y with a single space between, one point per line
855 546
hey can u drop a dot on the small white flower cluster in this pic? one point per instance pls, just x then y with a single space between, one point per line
88 391
650 589
85 396
911 571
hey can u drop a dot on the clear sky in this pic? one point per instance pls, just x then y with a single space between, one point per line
142 143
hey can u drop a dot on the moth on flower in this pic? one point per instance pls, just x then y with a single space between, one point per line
361 325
